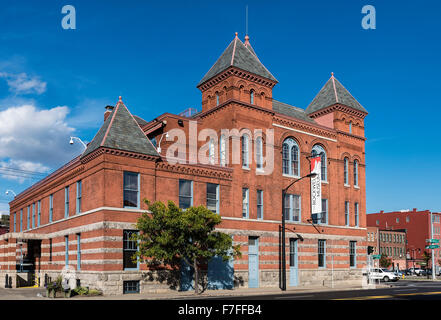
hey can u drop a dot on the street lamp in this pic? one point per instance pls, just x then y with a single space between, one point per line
10 191
72 142
311 175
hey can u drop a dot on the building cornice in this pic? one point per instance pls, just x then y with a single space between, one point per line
338 107
196 170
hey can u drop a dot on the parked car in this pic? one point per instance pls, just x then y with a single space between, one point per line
399 273
416 271
383 274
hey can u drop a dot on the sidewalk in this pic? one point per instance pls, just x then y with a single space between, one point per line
231 293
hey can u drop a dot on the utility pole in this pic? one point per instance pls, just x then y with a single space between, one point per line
433 254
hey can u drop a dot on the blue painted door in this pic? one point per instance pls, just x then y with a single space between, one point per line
253 262
220 274
293 263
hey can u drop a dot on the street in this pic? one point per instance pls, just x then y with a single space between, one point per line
400 290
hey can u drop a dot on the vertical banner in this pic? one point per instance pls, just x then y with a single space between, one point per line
316 189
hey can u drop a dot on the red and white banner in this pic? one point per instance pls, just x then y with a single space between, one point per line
316 186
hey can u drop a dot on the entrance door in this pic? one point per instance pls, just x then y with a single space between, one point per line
253 262
293 263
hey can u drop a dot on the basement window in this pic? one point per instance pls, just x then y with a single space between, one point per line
130 287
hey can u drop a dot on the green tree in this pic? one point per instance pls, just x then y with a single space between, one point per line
385 262
169 235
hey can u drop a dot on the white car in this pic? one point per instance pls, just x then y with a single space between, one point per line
383 274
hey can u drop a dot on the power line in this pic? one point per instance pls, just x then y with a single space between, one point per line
22 171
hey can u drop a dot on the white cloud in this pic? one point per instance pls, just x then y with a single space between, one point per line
32 137
22 83
11 167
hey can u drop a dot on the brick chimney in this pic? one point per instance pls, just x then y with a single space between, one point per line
108 112
414 209
382 211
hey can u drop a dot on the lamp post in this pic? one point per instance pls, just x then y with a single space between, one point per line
10 191
76 138
283 262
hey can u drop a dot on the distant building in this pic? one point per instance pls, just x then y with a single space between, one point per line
417 227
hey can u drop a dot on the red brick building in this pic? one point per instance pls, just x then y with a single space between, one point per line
417 226
82 214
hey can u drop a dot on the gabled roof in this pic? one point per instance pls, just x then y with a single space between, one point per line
333 92
291 111
122 132
239 55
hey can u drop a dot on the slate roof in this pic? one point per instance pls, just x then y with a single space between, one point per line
291 111
331 93
240 56
121 131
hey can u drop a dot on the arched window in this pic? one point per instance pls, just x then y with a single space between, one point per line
290 157
316 150
245 153
346 170
356 173
350 126
217 98
259 153
222 151
252 96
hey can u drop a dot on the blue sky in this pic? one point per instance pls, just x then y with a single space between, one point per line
55 83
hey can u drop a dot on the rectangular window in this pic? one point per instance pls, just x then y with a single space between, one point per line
79 191
407 219
324 218
28 226
347 213
15 223
185 194
292 207
378 222
50 250
66 246
78 251
131 189
245 203
213 197
130 246
33 215
352 254
39 213
321 253
66 202
259 204
397 220
130 287
21 220
51 207
356 214
292 252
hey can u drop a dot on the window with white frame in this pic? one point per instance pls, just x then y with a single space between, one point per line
211 153
356 173
346 171
292 207
321 253
131 189
316 150
51 207
356 214
245 151
347 213
130 247
185 193
245 203
324 217
79 196
290 157
260 204
213 197
222 151
259 153
66 202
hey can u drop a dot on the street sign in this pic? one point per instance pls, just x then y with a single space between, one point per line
432 246
376 256
432 240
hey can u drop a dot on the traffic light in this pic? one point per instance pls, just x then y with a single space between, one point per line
370 250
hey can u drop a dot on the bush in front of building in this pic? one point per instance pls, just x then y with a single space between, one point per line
170 236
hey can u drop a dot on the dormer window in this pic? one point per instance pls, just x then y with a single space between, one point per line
252 96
